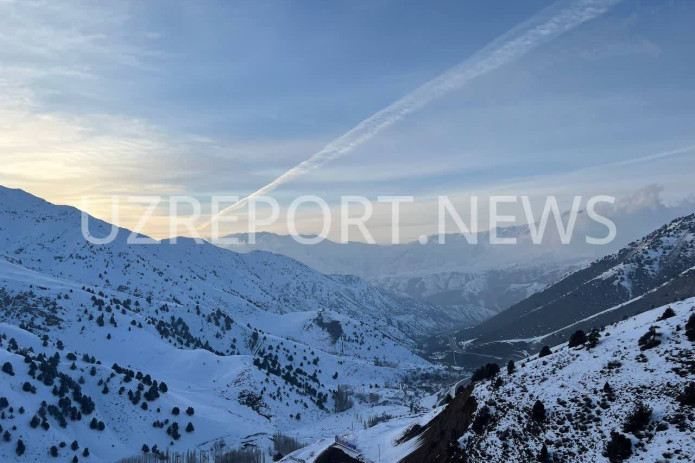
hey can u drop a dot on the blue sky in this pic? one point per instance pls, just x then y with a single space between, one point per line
205 97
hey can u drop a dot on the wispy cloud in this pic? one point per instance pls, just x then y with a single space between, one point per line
543 27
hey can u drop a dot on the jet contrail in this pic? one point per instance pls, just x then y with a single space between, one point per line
544 26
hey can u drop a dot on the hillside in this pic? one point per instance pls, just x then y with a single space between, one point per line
647 273
629 396
255 344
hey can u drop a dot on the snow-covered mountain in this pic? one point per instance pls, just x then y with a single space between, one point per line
468 283
253 343
473 282
647 273
625 394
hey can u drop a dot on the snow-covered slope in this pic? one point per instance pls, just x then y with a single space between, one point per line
40 236
572 402
650 272
255 343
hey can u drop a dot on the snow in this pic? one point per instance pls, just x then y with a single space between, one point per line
54 284
580 416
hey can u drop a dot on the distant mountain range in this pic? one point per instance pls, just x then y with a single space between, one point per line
471 283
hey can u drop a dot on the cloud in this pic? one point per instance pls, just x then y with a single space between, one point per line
543 27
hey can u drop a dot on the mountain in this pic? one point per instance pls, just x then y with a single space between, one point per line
467 283
652 271
473 282
627 396
255 344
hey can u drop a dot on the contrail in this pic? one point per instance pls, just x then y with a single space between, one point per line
544 26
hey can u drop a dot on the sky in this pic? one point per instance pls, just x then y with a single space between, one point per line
130 98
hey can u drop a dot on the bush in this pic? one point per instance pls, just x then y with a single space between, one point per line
638 419
545 351
578 338
619 448
511 368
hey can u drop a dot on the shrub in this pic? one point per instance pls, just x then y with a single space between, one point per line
638 419
578 338
619 448
545 351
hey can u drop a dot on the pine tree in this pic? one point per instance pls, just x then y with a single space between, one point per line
538 412
511 367
690 328
189 427
619 448
577 339
20 448
592 339
7 368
